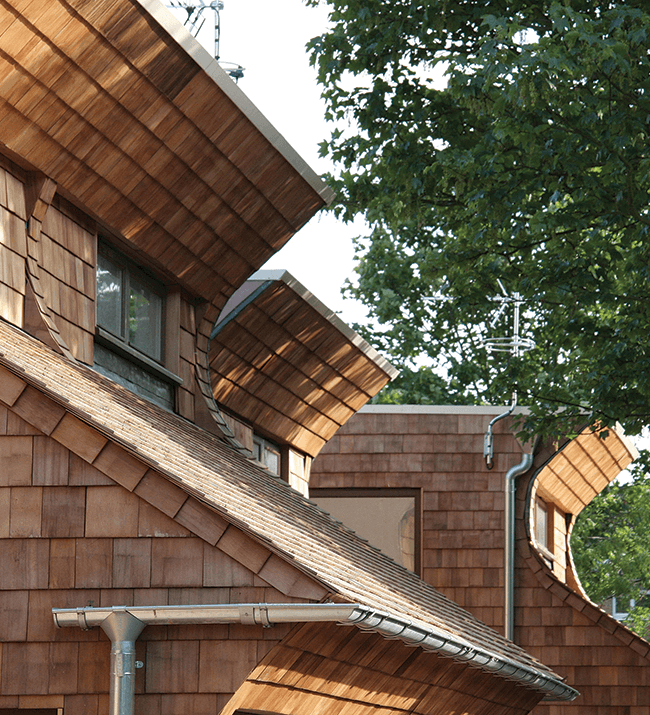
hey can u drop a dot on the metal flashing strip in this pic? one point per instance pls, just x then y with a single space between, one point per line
388 625
230 312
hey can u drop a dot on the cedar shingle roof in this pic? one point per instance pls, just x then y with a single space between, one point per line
249 497
281 360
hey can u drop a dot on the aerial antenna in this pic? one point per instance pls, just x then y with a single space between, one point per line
195 12
513 344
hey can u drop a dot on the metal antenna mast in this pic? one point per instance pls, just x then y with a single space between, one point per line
515 345
195 19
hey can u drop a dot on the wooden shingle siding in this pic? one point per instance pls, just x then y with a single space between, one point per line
441 453
13 247
70 536
330 669
145 438
63 268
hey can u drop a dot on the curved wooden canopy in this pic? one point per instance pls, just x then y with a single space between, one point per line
115 102
584 467
280 359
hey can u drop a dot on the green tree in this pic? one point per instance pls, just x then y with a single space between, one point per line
529 163
610 545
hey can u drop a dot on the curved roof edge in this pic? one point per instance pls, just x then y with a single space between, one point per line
267 277
582 603
289 366
207 63
585 465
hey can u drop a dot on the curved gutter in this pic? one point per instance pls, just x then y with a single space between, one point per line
123 624
488 439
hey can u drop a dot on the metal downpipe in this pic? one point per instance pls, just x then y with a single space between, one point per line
123 629
509 548
123 625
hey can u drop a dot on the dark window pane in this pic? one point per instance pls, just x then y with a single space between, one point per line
134 377
386 522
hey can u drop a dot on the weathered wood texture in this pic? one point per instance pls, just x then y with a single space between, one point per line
63 252
71 536
342 671
441 453
127 439
13 247
101 99
68 261
284 366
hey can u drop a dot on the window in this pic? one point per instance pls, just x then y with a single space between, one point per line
129 304
544 536
267 453
621 606
130 328
541 523
387 518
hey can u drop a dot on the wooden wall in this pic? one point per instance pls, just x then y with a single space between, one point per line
71 536
462 501
440 452
67 259
69 262
13 247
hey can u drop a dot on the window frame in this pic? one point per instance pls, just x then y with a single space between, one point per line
267 446
383 492
545 547
119 345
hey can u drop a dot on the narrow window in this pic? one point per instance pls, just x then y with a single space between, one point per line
267 453
541 523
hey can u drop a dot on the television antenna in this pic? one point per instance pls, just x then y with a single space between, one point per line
195 17
513 344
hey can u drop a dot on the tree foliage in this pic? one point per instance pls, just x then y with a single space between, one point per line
528 163
610 545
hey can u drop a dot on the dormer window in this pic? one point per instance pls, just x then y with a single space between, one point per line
130 332
129 304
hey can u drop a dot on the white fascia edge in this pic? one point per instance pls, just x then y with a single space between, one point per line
412 633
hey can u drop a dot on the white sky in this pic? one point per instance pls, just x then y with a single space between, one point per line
268 39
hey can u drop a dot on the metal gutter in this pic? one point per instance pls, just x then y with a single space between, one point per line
123 624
